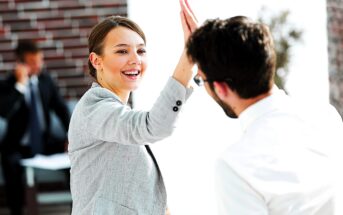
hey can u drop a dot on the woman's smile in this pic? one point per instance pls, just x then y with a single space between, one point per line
132 74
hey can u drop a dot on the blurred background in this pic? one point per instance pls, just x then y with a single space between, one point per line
309 43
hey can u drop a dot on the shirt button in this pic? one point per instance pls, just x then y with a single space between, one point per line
175 109
178 103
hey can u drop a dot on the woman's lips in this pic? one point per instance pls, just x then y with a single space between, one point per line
131 74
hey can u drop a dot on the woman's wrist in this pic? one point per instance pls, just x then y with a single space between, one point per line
183 72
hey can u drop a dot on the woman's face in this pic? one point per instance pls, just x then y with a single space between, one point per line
123 61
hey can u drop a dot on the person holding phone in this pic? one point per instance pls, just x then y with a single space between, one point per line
30 94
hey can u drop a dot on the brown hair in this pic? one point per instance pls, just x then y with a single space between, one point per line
238 51
24 47
100 31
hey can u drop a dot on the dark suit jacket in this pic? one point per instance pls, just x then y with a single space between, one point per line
18 122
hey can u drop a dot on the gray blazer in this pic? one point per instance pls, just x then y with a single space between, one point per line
113 172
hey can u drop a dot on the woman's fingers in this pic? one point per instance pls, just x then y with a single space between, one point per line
185 27
189 16
190 9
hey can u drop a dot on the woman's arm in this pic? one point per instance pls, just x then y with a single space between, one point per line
183 70
99 116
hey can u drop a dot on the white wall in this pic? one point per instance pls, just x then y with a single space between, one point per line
186 158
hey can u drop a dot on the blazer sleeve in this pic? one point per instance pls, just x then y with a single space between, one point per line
9 98
106 119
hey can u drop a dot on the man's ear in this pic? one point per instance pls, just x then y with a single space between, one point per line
222 89
95 60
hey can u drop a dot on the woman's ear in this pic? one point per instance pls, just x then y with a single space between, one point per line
221 89
95 60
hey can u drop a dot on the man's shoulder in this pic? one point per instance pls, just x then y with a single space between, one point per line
7 83
44 75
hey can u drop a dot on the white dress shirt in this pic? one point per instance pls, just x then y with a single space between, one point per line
283 164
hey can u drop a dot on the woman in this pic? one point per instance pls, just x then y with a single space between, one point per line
113 170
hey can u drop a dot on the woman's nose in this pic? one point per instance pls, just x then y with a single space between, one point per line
135 59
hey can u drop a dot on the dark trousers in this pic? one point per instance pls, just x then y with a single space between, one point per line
14 178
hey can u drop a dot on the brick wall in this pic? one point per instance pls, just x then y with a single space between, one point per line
61 28
335 47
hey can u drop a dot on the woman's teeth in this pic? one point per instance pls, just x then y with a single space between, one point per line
131 73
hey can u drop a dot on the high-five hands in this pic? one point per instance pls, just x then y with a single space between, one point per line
183 71
188 19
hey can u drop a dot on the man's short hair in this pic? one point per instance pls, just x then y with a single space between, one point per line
237 51
24 47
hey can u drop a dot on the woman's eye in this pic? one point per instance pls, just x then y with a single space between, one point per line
123 51
141 51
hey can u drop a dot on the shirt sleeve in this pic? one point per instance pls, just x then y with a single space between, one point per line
21 88
235 196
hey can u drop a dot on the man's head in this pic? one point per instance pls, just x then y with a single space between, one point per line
28 53
236 52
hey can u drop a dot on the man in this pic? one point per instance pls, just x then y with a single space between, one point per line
283 162
26 99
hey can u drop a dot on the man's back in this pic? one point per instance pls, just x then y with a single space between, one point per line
283 163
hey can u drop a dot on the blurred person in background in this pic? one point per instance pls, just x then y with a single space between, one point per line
285 160
28 96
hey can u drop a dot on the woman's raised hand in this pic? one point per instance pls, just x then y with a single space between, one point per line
183 71
188 19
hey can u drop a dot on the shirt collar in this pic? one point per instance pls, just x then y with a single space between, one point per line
263 106
34 79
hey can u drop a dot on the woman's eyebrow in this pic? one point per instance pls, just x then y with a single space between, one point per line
121 45
125 45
